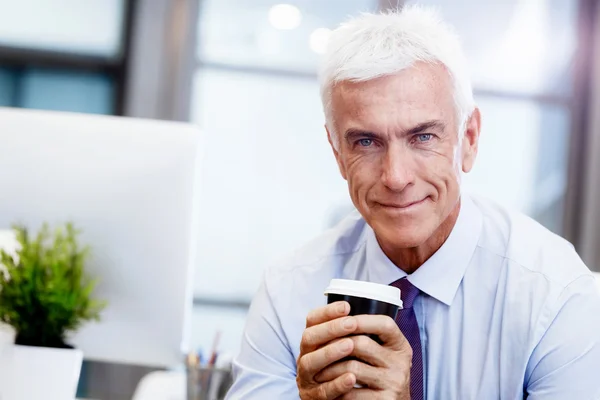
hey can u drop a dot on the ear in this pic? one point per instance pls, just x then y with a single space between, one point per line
470 143
336 152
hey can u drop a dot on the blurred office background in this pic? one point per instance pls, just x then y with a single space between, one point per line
245 70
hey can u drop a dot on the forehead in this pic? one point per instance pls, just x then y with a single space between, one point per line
407 98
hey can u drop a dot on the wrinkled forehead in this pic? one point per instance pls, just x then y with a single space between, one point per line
407 98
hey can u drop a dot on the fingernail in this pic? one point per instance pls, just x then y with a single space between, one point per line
342 307
348 323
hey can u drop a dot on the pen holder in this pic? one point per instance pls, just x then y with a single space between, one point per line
207 383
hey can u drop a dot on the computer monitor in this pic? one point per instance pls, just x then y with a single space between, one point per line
130 186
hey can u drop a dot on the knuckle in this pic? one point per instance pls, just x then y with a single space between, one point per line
301 385
355 367
405 348
314 316
397 385
307 337
303 364
330 352
310 318
401 382
332 328
409 351
321 393
331 310
363 340
339 387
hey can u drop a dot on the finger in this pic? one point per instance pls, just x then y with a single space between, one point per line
365 374
366 351
312 363
327 313
336 388
384 327
361 394
318 335
371 352
325 344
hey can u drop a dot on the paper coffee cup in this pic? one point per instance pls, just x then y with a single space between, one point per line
365 297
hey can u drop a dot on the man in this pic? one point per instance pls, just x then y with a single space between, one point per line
504 309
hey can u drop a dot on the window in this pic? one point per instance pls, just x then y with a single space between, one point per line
264 34
270 182
68 56
522 160
271 171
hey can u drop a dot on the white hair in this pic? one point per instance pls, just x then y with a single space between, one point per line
375 45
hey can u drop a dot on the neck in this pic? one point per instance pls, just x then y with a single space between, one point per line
410 259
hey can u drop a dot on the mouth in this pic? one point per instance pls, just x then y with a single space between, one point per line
402 206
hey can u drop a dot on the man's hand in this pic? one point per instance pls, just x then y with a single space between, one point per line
384 370
319 349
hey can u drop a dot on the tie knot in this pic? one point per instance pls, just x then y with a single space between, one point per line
408 292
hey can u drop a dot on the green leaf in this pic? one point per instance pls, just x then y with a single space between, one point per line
45 292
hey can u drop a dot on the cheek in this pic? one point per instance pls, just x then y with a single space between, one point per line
362 175
441 172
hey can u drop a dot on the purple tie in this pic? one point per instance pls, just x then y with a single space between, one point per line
407 322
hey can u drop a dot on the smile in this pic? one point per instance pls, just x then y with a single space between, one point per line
402 207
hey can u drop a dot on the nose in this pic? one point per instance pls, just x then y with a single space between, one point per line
397 171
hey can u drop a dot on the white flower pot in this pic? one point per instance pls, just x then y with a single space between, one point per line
7 335
39 373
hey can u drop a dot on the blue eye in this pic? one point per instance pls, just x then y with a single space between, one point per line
424 137
365 142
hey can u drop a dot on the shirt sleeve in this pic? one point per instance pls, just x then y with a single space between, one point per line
265 367
566 361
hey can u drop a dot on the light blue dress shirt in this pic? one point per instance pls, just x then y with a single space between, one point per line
508 310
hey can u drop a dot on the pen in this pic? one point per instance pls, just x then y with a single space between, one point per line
213 355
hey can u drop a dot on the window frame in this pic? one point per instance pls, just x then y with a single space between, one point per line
19 59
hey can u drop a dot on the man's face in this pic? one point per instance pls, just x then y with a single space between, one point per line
400 152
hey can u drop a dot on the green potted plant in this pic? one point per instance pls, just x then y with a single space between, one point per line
45 294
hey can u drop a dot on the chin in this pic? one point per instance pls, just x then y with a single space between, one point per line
402 236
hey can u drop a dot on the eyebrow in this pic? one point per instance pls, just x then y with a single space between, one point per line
434 124
426 126
354 134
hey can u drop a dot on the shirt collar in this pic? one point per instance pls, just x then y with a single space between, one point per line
441 275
